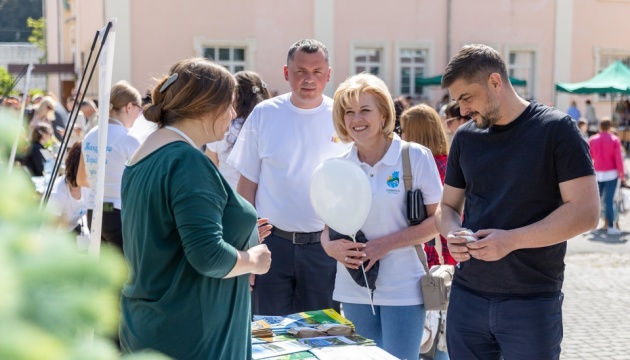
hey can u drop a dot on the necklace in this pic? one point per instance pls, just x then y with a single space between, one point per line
182 134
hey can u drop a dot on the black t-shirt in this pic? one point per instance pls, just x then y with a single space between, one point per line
511 176
34 159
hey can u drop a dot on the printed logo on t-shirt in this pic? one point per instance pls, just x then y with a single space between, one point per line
393 180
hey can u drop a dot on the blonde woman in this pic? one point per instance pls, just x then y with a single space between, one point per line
363 113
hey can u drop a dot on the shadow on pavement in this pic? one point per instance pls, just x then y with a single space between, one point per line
601 236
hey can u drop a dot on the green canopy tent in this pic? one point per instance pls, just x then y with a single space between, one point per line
437 80
615 79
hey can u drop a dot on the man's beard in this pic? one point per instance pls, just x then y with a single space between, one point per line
491 117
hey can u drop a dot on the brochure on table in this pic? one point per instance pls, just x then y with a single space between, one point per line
274 338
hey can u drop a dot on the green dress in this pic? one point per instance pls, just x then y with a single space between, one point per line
182 226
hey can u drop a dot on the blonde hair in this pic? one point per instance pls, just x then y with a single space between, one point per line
122 94
46 108
421 124
349 91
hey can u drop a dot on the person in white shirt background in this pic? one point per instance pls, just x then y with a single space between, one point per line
249 92
68 199
282 142
124 109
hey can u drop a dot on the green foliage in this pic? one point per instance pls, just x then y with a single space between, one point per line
37 27
53 297
6 79
33 92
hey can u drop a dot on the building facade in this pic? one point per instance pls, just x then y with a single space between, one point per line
542 41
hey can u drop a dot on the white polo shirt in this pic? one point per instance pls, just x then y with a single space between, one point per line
278 148
398 281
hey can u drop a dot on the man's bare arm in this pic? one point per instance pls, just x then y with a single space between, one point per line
247 189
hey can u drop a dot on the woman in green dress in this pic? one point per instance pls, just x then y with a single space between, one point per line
190 240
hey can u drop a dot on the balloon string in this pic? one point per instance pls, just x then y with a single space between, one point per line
367 285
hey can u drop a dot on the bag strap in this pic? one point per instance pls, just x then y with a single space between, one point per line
408 177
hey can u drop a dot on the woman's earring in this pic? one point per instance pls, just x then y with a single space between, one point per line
383 124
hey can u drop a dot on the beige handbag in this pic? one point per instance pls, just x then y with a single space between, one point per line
436 283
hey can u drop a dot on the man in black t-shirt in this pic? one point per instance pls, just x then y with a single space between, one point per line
522 175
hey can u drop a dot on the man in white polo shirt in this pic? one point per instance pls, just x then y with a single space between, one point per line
282 142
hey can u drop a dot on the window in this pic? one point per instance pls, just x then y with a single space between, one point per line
605 60
522 65
368 60
413 65
233 58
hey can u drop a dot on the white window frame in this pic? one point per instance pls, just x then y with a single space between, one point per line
428 67
200 43
385 56
533 81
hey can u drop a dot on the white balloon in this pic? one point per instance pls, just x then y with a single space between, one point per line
341 195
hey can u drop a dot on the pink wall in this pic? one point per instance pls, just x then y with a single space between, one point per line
167 35
600 24
162 33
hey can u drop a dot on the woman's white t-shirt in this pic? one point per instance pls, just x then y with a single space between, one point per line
61 203
223 148
400 270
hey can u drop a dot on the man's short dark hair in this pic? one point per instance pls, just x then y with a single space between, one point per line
308 46
474 63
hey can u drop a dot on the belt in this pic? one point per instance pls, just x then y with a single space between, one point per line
298 238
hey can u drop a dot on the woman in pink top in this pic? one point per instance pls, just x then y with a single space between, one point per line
608 163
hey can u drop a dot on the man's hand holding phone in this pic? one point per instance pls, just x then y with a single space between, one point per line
457 240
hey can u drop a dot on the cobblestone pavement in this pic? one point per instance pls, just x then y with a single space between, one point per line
596 306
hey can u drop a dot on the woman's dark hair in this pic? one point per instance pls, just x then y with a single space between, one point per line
72 163
452 110
249 92
200 87
40 130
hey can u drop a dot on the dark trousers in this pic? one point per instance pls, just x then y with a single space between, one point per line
483 327
301 278
111 230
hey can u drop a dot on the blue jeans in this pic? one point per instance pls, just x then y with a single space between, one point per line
396 329
608 188
440 355
486 327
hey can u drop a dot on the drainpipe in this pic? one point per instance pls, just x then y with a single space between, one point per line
449 8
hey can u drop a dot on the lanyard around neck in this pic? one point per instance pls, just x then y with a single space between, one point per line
182 134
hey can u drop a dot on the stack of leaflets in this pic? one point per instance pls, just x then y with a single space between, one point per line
279 350
261 329
324 341
274 338
281 324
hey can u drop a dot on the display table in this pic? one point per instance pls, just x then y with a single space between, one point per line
319 334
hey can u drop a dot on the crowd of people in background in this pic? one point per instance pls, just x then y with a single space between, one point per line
207 178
